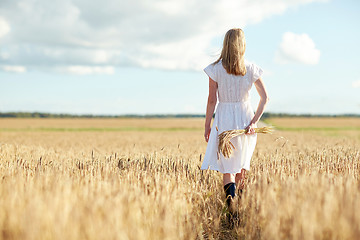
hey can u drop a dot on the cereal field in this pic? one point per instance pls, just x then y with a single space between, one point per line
140 179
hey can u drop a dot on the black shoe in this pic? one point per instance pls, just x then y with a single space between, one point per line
230 190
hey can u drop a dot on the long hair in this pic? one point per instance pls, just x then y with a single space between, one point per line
232 54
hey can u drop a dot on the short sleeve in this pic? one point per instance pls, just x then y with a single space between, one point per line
257 72
210 71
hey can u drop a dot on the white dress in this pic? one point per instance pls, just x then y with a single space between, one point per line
233 111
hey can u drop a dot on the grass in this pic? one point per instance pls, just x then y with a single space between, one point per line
315 129
147 184
314 122
330 127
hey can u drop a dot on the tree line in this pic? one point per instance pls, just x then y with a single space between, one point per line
62 115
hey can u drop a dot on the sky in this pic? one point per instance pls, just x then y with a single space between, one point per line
147 57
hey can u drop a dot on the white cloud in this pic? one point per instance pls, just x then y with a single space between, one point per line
13 68
4 27
165 34
356 84
84 70
298 48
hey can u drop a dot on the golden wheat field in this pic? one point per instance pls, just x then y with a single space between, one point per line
140 179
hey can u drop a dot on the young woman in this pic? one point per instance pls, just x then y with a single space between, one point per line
230 80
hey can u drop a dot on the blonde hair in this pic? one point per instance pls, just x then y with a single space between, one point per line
233 52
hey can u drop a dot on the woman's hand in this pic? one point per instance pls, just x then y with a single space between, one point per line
250 129
207 133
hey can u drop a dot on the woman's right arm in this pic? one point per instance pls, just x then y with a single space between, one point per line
260 87
212 100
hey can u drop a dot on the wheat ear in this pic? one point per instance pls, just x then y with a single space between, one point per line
225 146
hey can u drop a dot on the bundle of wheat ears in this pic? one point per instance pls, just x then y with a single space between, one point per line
225 146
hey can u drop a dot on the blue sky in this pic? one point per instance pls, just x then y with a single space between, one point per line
117 61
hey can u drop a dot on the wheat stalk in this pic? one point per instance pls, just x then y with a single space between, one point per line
225 146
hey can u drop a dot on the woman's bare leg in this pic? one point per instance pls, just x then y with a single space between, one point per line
228 178
239 179
230 189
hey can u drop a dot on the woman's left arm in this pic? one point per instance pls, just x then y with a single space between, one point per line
260 87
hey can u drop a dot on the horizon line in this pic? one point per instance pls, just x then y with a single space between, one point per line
36 114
